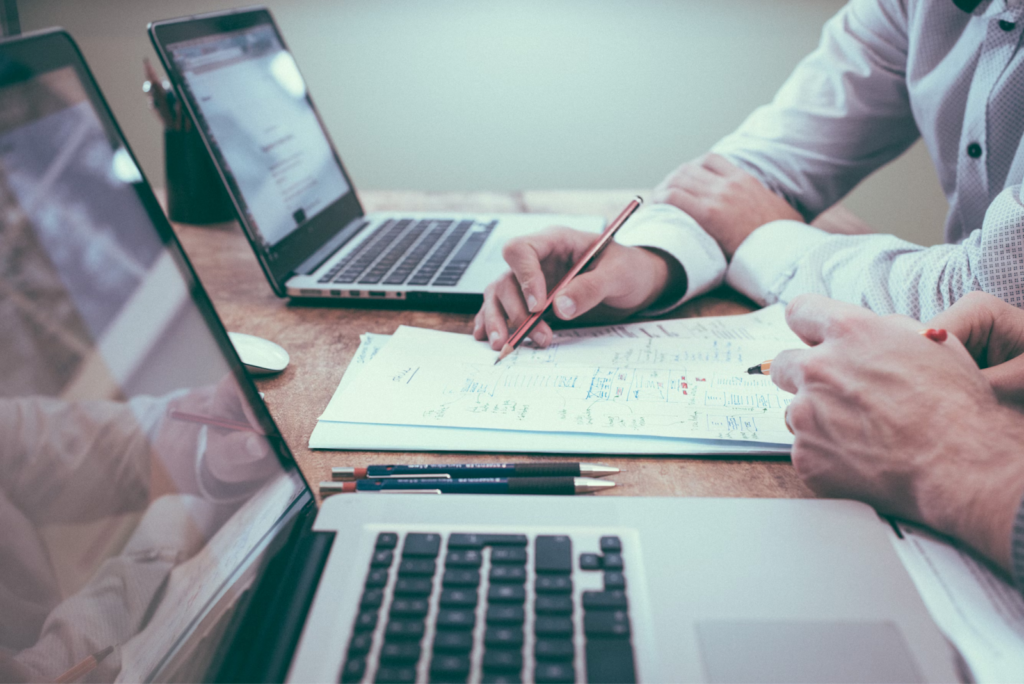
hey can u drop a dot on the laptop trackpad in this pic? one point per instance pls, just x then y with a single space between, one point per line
805 652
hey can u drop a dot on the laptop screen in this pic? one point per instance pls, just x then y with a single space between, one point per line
139 472
253 105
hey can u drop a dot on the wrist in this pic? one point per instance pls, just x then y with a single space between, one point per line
979 484
668 279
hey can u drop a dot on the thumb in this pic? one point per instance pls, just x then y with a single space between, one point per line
586 291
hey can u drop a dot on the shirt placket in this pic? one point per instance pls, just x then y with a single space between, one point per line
997 50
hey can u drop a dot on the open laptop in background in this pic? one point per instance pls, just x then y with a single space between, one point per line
294 199
147 540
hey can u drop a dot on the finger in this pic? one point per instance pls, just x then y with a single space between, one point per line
583 293
510 299
525 256
1007 381
478 327
542 334
719 165
990 329
788 369
815 318
694 179
495 326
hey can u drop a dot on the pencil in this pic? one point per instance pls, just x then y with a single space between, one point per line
225 423
933 334
595 250
84 667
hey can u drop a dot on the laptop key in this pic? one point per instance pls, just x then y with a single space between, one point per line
606 623
554 649
402 630
421 545
455 619
413 586
416 566
501 678
554 672
458 598
612 561
604 600
590 561
508 556
611 545
553 554
506 539
459 641
377 578
610 661
553 605
366 621
557 584
506 593
409 607
353 670
399 652
449 664
470 558
461 578
360 644
552 626
387 540
504 637
505 615
396 675
372 598
503 659
512 574
460 540
382 559
614 580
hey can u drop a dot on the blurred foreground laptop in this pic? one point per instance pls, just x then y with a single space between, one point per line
294 199
144 543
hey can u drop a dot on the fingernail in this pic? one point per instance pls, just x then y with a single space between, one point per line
540 338
531 302
566 307
255 446
494 335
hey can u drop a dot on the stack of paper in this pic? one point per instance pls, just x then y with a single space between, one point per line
664 387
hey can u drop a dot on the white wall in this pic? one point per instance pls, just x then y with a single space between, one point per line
514 94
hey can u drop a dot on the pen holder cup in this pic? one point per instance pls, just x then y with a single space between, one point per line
195 191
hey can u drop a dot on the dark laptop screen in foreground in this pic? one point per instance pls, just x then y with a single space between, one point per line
123 518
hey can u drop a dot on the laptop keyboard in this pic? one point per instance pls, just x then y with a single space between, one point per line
401 251
491 608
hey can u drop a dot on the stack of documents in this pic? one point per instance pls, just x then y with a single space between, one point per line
659 387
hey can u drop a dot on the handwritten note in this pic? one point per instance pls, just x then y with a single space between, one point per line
681 379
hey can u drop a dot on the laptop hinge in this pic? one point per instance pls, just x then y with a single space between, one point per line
331 246
264 637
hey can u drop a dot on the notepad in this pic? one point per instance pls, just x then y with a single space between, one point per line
659 387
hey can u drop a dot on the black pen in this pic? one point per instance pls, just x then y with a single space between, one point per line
440 471
478 485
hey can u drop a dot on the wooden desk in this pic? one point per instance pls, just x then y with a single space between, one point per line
322 339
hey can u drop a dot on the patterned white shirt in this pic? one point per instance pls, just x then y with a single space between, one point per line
885 73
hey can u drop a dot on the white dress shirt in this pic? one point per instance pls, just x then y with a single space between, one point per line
885 72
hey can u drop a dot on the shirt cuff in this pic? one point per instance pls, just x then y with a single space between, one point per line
767 259
1017 549
671 230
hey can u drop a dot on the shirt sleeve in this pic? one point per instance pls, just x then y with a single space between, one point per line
1017 548
669 229
843 112
783 259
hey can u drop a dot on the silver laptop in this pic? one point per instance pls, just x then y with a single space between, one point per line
157 528
293 197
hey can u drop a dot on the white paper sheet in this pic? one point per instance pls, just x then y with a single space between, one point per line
647 385
977 610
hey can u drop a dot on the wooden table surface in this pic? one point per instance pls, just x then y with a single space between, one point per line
322 339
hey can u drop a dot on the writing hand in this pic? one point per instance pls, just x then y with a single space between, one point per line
993 332
908 425
726 201
623 280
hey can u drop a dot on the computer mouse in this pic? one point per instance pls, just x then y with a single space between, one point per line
259 356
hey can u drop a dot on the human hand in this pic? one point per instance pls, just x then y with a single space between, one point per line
622 281
908 425
993 333
231 456
726 201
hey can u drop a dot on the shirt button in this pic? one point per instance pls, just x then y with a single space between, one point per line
974 150
1006 25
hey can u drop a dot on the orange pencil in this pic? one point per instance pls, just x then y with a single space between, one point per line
187 417
595 250
84 667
